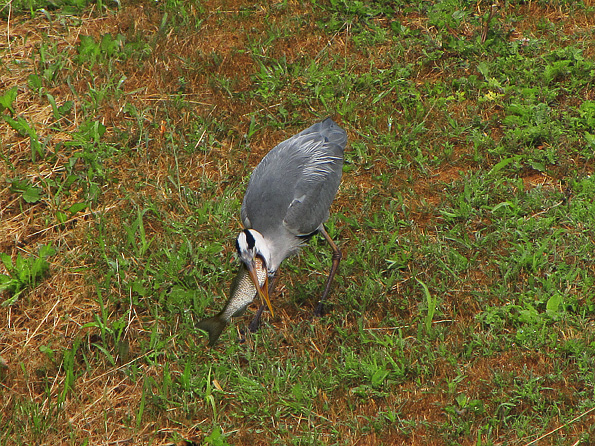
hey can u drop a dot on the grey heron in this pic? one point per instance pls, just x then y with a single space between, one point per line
287 202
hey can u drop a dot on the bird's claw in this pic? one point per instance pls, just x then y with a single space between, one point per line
319 310
254 325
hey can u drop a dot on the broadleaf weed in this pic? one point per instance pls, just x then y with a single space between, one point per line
24 272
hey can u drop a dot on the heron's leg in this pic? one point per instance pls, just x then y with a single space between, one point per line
255 324
319 310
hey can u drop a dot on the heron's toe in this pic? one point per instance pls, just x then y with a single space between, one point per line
319 311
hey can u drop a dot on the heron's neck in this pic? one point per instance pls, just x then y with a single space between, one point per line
280 247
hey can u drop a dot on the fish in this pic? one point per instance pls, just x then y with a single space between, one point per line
242 292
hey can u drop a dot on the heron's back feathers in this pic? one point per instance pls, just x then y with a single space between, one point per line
291 190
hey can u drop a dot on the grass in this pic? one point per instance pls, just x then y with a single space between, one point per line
464 310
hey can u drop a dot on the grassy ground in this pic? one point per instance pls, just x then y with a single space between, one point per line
464 310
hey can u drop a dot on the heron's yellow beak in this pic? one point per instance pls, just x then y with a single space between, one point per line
264 295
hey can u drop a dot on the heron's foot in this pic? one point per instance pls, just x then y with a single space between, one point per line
255 324
319 311
242 338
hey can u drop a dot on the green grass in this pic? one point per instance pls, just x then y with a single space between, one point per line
463 312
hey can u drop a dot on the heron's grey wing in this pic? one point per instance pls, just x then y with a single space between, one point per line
295 183
270 190
316 189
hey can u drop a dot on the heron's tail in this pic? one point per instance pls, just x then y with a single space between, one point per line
214 326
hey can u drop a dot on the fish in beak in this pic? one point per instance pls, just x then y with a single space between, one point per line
264 291
242 291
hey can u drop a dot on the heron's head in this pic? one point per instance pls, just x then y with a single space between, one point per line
250 245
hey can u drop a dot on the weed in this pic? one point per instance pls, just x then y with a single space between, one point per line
91 52
26 129
29 193
431 302
7 99
24 272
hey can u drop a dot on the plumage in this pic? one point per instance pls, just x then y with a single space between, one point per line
291 190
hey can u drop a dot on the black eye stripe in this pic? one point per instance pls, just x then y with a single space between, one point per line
249 239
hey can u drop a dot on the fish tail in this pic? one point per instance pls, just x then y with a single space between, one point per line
214 326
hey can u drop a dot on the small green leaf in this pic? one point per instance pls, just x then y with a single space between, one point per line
106 352
8 98
297 392
61 216
20 125
24 129
378 377
553 303
7 260
32 194
484 69
65 108
52 102
502 164
138 288
590 140
46 251
431 301
77 207
88 50
6 282
501 205
34 82
17 292
47 350
537 166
